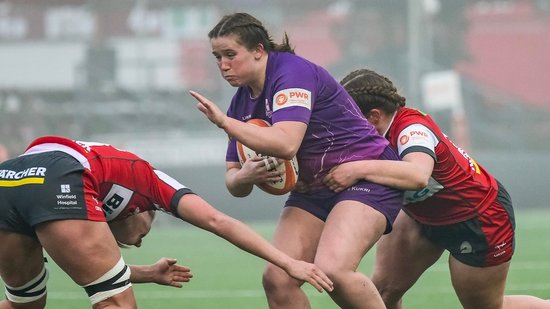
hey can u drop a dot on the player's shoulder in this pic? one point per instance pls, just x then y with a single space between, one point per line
407 116
283 62
51 139
411 111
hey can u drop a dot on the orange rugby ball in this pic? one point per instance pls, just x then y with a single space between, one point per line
288 169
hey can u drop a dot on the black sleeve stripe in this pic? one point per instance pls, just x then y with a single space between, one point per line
419 149
176 199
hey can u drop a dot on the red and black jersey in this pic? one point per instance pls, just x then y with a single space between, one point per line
459 188
125 183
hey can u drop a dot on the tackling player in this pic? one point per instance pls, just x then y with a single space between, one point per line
59 195
452 204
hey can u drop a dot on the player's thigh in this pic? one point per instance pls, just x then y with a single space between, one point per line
297 233
21 258
351 229
84 249
479 287
403 254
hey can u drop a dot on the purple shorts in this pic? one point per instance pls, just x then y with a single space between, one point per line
386 200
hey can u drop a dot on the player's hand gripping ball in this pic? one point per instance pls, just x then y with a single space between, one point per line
289 168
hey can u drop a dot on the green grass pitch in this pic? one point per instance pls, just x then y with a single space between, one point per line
226 277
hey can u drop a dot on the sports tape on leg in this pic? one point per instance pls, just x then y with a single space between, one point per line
30 291
113 282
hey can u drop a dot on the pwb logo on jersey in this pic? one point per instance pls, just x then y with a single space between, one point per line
404 139
292 97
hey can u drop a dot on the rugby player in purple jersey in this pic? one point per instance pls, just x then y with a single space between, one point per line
314 119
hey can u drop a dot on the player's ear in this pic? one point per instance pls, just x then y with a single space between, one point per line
373 116
259 51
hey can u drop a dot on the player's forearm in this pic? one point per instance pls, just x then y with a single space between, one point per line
397 174
141 274
237 186
281 140
250 241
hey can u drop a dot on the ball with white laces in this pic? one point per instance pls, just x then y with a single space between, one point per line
289 168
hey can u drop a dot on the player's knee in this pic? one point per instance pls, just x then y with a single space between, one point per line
30 295
391 293
113 282
335 271
275 279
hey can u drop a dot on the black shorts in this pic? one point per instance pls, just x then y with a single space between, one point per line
45 187
485 240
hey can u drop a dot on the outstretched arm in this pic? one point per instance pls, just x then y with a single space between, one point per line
198 212
164 272
282 140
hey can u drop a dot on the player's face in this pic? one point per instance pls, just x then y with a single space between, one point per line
379 119
130 231
236 63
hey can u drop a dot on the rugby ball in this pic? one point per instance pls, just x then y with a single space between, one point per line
288 169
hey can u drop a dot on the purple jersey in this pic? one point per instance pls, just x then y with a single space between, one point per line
296 89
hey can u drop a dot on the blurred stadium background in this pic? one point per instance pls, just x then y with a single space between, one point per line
119 72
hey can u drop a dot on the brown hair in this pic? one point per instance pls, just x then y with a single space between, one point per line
249 31
372 90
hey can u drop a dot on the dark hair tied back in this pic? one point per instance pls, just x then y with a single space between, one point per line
372 90
249 31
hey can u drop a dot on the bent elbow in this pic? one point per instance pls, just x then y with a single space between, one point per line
239 194
288 152
421 183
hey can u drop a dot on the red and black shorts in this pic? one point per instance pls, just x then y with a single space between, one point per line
43 187
485 240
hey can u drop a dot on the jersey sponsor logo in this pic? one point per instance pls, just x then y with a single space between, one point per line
500 246
417 196
354 188
116 200
66 201
416 135
499 249
404 139
65 188
292 97
281 99
32 175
